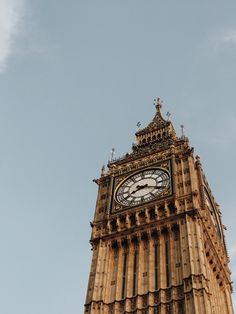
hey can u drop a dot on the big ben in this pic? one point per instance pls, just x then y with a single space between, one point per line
157 235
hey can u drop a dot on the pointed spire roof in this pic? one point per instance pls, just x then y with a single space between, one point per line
158 135
157 122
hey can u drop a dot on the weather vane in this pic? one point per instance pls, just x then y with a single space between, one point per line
168 116
138 125
158 102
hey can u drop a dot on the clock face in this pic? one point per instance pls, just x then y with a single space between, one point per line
212 212
142 187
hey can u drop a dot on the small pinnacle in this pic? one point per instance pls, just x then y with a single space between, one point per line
198 158
112 154
103 170
182 130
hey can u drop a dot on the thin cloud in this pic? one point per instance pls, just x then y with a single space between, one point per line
222 39
11 17
229 37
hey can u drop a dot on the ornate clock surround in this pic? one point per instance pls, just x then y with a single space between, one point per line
165 166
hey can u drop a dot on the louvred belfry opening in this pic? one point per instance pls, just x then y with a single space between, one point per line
157 235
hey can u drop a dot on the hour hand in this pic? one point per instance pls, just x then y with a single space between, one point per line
139 187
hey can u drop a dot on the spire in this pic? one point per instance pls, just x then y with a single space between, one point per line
157 131
158 121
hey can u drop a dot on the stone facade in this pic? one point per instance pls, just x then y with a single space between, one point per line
165 255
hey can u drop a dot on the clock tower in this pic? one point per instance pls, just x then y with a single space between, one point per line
157 236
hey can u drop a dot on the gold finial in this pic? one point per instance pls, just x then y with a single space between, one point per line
158 103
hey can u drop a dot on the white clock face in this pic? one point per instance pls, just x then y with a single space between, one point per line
142 187
212 211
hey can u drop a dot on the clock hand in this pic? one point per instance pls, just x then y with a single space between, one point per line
155 186
139 187
142 186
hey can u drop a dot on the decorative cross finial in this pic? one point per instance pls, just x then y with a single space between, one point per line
158 103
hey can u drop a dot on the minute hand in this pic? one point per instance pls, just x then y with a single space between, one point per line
155 187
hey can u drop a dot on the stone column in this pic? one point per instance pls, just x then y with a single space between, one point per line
119 274
108 276
130 270
98 273
151 270
102 279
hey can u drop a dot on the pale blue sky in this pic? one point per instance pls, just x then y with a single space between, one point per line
75 78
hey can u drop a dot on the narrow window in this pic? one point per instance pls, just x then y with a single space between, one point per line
169 309
132 220
135 273
167 247
152 213
124 275
156 265
113 225
156 310
181 307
